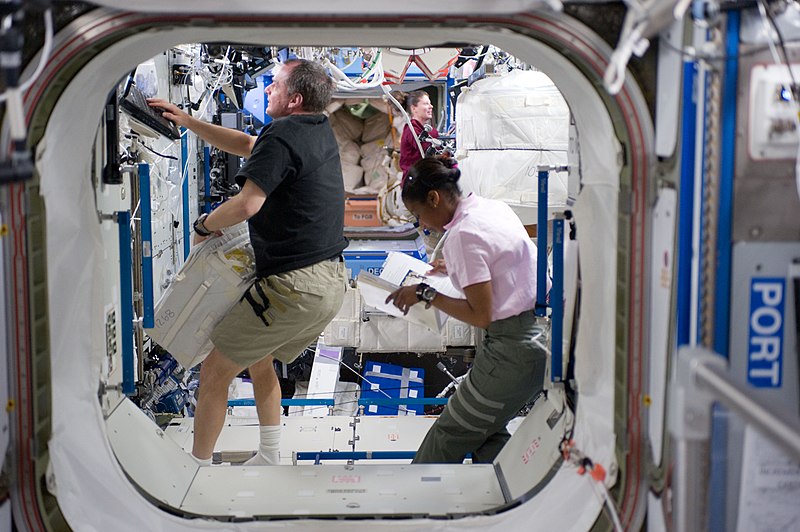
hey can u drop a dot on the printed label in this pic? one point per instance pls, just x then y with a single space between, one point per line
765 341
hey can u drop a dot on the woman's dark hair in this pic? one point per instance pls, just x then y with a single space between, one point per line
413 98
311 81
431 173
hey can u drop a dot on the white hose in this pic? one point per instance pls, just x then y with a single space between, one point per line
43 58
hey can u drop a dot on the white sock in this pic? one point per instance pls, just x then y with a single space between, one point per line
268 447
201 461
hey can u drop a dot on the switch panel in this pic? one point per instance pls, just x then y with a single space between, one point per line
772 114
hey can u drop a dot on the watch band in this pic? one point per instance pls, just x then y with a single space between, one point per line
425 292
419 291
199 225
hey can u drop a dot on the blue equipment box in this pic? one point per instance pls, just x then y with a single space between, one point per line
370 255
381 379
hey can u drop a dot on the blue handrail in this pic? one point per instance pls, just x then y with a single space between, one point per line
207 180
285 402
187 243
354 455
557 302
390 401
541 244
126 300
146 228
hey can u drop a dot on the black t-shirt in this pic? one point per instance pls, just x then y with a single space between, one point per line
295 161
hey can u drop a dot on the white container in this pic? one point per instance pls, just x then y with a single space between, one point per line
214 277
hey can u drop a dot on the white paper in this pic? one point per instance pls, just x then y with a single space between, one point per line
400 269
374 291
404 270
770 487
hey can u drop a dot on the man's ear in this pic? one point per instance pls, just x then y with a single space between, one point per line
296 102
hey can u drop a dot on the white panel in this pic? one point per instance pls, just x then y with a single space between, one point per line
668 80
772 130
344 490
459 334
180 430
656 522
533 449
324 376
344 329
770 486
661 268
392 433
383 334
298 434
152 460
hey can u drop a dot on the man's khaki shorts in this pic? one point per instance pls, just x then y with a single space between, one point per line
299 304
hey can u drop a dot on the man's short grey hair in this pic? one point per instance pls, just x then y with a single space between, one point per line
311 81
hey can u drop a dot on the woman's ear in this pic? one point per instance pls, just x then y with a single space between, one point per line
434 198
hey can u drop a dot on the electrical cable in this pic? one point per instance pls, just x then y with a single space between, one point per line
407 118
573 457
769 23
151 150
343 363
765 12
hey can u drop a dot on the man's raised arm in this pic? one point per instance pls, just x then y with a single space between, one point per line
226 139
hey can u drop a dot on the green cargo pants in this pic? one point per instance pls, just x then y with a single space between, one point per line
508 372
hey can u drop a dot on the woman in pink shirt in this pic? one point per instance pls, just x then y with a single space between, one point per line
420 109
489 256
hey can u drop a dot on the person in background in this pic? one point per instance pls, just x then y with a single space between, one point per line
489 256
420 109
293 198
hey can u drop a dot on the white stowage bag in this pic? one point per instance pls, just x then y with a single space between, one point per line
506 127
214 277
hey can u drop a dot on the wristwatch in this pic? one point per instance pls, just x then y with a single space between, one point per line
199 226
426 293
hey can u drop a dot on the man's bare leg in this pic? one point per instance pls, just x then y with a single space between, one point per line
216 375
267 391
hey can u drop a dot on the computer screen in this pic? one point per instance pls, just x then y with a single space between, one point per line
135 104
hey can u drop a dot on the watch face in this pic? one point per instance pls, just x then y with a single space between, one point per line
428 293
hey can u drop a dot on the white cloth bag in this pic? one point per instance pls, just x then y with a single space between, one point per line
214 277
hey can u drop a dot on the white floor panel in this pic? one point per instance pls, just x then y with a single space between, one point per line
343 490
298 433
392 433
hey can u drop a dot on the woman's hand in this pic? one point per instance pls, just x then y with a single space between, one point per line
438 266
404 298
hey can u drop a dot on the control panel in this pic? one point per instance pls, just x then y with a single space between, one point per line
773 119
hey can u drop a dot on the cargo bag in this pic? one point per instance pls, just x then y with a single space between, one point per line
214 277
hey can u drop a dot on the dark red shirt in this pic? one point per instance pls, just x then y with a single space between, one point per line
409 153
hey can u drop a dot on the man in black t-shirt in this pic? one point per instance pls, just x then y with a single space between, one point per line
293 198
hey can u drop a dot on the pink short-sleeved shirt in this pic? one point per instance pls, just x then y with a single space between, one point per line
487 242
